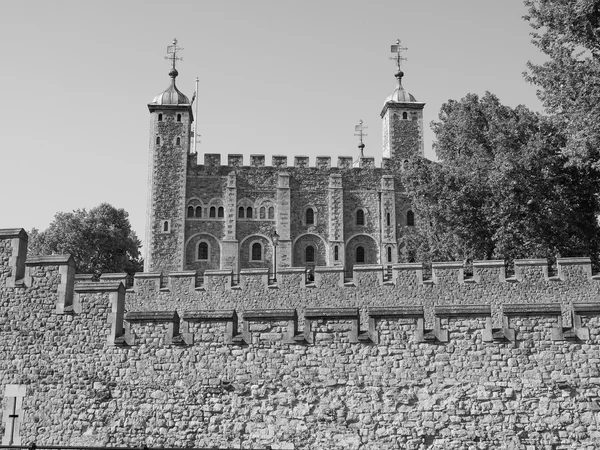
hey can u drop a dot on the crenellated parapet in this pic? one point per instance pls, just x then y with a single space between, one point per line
236 161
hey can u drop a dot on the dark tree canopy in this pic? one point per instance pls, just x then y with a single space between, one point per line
501 189
100 240
568 33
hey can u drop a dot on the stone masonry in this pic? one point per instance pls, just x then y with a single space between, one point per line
448 362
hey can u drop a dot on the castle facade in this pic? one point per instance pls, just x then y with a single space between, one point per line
228 215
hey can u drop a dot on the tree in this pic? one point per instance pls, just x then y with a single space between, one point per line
568 32
501 189
100 240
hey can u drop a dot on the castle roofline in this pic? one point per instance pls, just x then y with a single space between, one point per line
401 105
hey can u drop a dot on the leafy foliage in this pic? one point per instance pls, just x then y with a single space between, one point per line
501 189
100 240
568 32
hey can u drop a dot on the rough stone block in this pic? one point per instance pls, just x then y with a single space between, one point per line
301 162
235 160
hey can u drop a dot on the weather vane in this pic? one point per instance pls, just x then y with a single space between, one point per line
173 49
360 128
398 49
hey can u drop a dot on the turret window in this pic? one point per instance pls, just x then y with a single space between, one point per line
213 212
178 141
310 254
410 219
262 213
160 117
389 219
165 226
389 254
271 213
336 253
203 251
310 216
256 252
249 212
404 115
360 254
179 117
221 212
198 212
190 211
241 212
360 217
157 140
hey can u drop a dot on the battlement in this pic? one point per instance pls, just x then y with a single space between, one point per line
281 162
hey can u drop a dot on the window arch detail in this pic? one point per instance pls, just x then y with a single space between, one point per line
256 252
410 218
360 217
309 254
360 255
203 253
309 216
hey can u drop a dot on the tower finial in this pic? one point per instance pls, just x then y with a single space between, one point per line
360 128
398 49
174 49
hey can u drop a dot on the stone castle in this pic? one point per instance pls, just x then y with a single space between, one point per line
208 348
212 216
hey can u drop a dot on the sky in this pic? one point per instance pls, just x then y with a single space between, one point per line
277 77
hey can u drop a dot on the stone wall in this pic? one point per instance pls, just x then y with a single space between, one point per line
447 362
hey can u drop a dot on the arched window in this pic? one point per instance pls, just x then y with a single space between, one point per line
198 211
221 212
213 212
241 212
360 217
256 252
166 226
271 213
190 212
389 254
262 213
310 216
310 254
410 219
178 141
389 219
157 140
179 117
249 212
336 253
160 117
203 251
404 115
360 254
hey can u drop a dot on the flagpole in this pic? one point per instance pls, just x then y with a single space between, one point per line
195 118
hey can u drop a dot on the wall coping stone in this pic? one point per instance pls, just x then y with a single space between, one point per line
489 263
49 260
317 313
11 233
290 270
187 273
407 266
218 272
212 314
463 310
152 316
586 307
396 311
147 275
98 286
326 269
574 261
269 314
259 271
531 262
368 268
513 309
448 265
